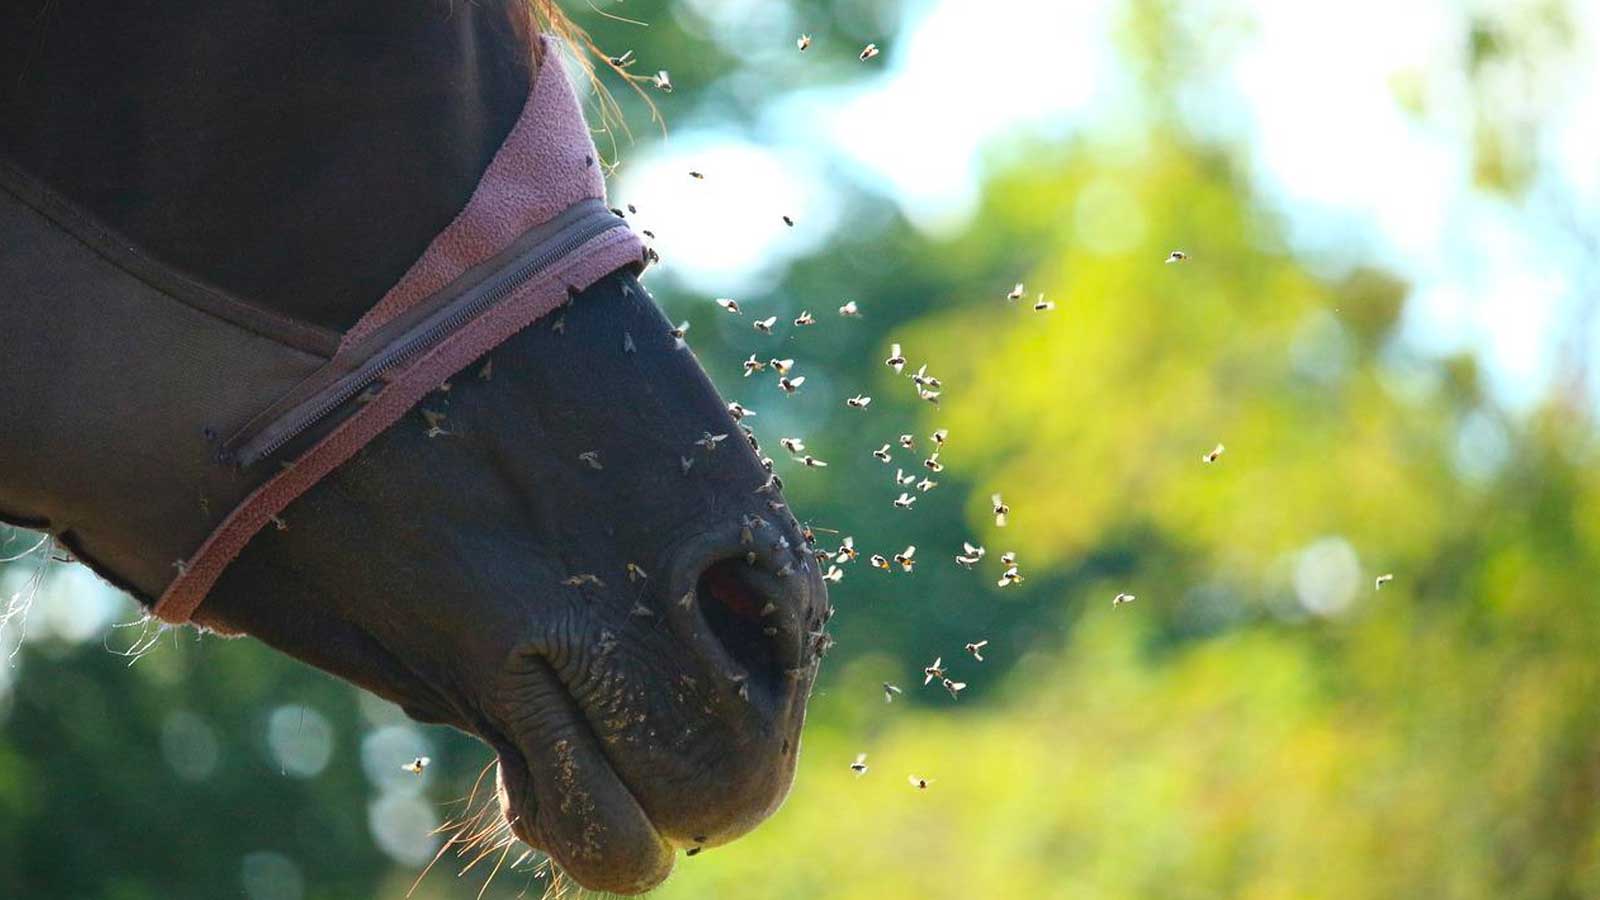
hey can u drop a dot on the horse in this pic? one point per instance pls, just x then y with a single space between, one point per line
319 331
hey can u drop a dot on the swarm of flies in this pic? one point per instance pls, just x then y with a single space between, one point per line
895 450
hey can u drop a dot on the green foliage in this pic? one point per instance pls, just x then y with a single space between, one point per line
1256 724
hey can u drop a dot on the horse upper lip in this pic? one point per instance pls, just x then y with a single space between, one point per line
575 799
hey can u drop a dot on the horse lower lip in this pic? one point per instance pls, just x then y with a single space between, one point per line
584 816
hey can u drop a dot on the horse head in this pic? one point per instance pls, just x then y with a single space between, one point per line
583 565
502 495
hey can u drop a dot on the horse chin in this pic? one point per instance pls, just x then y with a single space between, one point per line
560 794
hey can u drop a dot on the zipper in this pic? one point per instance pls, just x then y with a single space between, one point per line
417 332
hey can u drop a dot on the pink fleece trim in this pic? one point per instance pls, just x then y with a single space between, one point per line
546 164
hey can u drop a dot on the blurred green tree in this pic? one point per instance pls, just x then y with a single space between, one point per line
1262 721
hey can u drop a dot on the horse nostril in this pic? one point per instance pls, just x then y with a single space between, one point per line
746 620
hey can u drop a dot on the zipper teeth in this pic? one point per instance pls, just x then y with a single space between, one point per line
418 343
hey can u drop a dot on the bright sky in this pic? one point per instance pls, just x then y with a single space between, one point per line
1308 89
